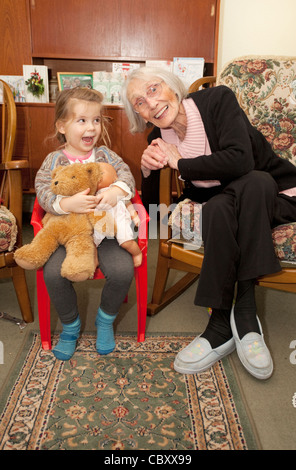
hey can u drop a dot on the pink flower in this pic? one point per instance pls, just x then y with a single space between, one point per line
267 130
283 141
286 124
256 66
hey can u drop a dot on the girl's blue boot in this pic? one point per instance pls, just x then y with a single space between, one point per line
105 335
66 346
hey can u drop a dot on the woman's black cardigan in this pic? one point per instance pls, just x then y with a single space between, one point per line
237 147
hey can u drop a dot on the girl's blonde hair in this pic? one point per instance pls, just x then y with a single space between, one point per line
63 109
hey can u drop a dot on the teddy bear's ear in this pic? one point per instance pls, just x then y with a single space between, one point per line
94 170
55 171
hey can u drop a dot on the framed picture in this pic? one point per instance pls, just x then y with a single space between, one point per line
67 80
36 83
17 86
188 69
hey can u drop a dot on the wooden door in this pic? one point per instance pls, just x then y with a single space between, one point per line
75 28
124 29
15 37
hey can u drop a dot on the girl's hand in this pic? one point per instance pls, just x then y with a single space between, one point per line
153 158
110 197
171 153
80 203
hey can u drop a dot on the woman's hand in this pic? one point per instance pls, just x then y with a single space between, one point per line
171 153
110 197
80 203
153 158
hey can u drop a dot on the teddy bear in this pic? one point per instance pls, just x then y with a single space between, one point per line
74 231
124 213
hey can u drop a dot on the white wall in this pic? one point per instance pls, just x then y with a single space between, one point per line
254 27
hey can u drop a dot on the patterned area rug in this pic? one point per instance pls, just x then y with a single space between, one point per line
131 399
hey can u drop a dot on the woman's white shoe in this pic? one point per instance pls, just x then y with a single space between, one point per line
252 351
199 356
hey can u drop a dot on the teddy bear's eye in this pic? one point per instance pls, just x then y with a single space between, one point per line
73 177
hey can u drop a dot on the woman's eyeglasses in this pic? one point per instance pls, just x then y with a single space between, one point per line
152 92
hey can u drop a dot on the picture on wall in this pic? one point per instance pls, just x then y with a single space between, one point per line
109 84
68 80
17 86
188 69
36 83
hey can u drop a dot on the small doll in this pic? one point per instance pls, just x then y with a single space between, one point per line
123 213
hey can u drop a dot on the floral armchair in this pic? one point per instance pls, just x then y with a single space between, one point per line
265 87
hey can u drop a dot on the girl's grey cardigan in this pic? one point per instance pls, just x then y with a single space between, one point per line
102 154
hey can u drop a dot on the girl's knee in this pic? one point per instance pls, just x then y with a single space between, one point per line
121 272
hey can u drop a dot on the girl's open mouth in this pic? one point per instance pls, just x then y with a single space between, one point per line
87 140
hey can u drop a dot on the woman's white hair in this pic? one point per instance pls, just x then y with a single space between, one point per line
137 123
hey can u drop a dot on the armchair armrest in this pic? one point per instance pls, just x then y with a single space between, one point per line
200 82
14 165
165 200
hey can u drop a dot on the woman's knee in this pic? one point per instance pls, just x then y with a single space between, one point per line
257 183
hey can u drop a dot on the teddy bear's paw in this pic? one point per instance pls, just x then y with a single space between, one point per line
77 277
26 260
76 272
25 264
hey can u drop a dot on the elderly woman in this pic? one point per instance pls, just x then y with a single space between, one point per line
228 165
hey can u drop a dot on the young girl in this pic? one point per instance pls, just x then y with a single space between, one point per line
79 127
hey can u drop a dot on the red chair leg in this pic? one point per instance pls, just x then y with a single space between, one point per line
141 287
43 301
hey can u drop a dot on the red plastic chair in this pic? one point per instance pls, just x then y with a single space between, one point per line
43 299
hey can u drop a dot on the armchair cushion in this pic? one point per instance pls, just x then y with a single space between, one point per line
8 230
185 222
265 87
284 240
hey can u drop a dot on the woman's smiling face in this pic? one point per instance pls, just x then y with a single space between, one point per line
162 109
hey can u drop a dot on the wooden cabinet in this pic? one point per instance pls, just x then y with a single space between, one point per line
15 36
124 29
75 29
76 36
34 138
